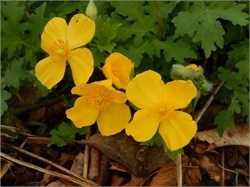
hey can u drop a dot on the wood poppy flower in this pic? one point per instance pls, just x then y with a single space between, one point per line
159 104
62 42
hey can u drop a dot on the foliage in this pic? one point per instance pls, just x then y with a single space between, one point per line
65 132
237 84
185 32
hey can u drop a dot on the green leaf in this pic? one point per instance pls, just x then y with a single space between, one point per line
228 10
4 96
15 73
224 120
65 132
177 50
140 20
12 29
201 23
35 28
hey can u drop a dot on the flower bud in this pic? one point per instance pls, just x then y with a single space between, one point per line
91 10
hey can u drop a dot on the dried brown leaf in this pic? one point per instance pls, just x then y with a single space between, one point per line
235 136
140 160
77 166
210 162
192 176
167 175
94 165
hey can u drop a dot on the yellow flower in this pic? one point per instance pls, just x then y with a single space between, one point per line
100 102
159 104
62 42
118 68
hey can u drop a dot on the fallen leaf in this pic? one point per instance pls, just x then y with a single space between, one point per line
192 175
77 166
55 183
210 162
94 165
167 174
235 136
140 160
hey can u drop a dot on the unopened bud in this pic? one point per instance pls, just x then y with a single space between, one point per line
91 10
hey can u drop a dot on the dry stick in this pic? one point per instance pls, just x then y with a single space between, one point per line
14 129
197 119
86 159
66 177
47 161
222 180
7 166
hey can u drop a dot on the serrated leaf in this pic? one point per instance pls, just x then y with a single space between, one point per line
201 23
35 28
177 50
209 39
15 73
65 132
4 96
12 29
139 22
228 11
105 34
223 121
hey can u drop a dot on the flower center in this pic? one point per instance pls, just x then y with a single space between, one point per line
61 49
164 112
99 100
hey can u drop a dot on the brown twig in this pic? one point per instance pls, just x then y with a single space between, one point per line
15 130
84 182
86 159
46 161
222 179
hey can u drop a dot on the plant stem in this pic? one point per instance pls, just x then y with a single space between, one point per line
179 170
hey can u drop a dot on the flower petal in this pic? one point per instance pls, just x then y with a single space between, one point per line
113 119
177 130
145 89
54 32
179 93
82 64
80 31
118 68
82 114
45 71
143 126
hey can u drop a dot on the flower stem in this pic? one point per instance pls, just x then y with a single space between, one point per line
179 170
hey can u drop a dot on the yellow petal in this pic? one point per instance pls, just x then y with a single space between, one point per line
179 93
80 31
45 71
54 33
145 89
177 130
85 89
113 119
82 114
143 126
118 68
82 64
